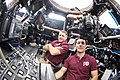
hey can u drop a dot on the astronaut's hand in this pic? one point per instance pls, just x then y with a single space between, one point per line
46 47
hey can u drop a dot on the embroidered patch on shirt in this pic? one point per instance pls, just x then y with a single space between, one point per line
86 63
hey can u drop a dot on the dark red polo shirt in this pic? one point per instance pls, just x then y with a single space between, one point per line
80 69
58 58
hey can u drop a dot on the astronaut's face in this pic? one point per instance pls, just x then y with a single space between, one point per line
62 37
80 45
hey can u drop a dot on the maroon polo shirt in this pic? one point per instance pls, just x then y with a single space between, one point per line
63 52
80 69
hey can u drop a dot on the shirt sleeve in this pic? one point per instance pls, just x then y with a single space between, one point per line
66 63
93 64
53 42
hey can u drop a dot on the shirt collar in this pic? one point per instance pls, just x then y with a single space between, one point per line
82 57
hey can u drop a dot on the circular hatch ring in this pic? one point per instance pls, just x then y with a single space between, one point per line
87 7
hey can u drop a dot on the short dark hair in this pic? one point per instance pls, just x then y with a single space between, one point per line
81 37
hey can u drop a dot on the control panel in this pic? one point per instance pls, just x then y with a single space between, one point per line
16 60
